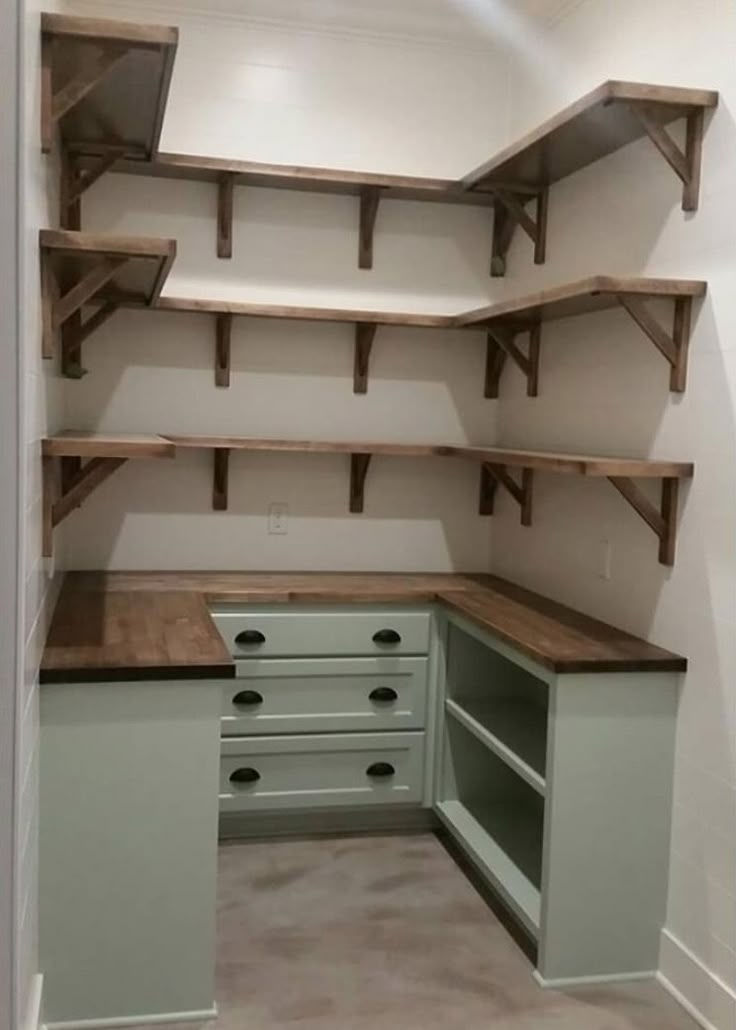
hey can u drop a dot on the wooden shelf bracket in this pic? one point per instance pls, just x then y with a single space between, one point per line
365 334
501 344
492 476
63 311
509 211
76 180
220 475
225 189
685 163
65 491
674 346
358 470
223 333
370 197
54 105
664 521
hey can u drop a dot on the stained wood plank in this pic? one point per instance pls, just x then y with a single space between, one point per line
127 104
107 445
597 124
242 443
137 624
580 464
580 297
306 314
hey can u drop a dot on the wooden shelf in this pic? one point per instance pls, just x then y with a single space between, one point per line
81 269
508 319
105 85
67 482
610 117
109 451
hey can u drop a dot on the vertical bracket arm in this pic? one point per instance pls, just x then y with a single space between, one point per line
369 199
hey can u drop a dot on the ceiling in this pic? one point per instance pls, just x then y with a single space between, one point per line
451 20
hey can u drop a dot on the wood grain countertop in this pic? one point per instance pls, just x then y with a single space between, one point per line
157 625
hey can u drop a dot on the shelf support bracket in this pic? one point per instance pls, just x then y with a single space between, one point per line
61 495
664 521
225 188
673 346
75 332
492 476
685 164
370 197
501 343
55 105
365 333
75 182
221 468
62 312
509 212
223 333
358 470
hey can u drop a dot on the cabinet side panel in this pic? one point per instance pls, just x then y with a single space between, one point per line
607 824
128 849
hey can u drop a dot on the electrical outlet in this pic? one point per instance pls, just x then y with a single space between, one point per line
278 518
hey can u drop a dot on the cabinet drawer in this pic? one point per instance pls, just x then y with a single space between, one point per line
260 632
276 773
322 695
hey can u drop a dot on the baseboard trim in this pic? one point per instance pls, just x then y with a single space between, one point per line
34 1006
589 981
195 1016
710 1002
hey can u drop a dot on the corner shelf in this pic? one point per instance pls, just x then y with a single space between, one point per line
104 86
65 488
494 463
80 268
515 731
110 113
604 120
506 320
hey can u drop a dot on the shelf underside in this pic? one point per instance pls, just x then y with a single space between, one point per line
594 126
114 77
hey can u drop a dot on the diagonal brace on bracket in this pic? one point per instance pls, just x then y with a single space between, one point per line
492 476
501 339
673 346
359 464
75 489
75 182
84 290
73 335
664 521
685 163
509 212
370 197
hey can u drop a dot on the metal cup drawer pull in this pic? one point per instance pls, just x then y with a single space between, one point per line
386 636
250 636
245 775
248 698
384 694
380 770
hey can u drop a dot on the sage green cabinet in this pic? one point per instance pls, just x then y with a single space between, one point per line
559 790
128 850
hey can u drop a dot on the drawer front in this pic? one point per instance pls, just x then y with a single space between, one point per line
263 633
261 774
313 695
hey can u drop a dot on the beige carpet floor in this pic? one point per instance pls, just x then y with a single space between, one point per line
386 933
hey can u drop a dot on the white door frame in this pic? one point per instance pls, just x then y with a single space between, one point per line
10 595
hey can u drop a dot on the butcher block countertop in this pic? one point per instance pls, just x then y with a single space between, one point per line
156 625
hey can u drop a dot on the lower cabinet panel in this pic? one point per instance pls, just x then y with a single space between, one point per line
272 773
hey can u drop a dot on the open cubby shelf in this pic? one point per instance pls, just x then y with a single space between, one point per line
514 730
105 272
108 451
105 86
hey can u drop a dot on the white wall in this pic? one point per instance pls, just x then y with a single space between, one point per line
39 412
604 388
271 93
